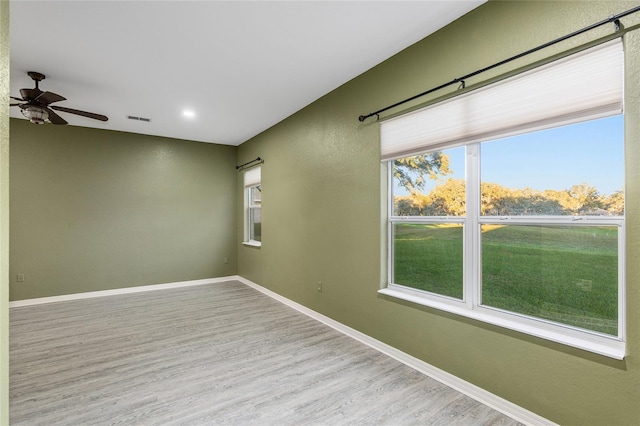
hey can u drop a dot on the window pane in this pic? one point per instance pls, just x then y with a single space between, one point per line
255 223
569 170
559 273
430 184
428 257
255 195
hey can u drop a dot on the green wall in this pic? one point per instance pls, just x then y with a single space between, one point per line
4 212
322 217
95 210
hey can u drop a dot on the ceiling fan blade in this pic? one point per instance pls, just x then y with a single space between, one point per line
47 98
55 118
30 94
14 105
82 113
17 99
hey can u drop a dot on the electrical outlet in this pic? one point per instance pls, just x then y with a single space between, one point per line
319 286
20 278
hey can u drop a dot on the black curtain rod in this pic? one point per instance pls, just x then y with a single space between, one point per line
249 162
615 19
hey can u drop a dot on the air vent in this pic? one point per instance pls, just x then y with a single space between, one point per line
132 117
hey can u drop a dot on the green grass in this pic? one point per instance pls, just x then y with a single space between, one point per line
564 274
429 257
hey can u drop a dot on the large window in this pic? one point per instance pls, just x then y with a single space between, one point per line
253 206
516 218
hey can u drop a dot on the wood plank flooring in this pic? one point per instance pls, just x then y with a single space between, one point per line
208 355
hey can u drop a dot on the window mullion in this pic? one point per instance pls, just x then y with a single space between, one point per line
390 196
472 278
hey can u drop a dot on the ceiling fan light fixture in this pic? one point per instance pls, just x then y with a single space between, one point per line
35 114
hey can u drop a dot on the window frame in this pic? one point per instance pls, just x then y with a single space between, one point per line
253 179
470 306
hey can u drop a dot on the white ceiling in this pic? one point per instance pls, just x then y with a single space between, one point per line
241 66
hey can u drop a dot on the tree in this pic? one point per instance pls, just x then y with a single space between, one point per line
448 199
407 206
411 172
614 203
585 198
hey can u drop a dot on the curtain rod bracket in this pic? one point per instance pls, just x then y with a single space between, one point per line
618 24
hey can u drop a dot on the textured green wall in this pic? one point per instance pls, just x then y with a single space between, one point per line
95 210
4 212
322 217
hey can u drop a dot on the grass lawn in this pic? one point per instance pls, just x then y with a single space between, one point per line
563 274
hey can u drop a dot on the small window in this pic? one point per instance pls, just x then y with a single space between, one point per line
253 207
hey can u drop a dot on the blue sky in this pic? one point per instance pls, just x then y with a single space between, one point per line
591 152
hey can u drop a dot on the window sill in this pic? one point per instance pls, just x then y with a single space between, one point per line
611 347
252 243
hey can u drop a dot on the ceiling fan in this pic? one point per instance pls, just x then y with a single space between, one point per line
36 104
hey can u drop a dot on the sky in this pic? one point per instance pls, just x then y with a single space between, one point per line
590 152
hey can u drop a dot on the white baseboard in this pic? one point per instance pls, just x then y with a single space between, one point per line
116 291
499 404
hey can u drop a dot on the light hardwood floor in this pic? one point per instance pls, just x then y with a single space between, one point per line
211 354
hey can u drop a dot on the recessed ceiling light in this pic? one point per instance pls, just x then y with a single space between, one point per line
188 113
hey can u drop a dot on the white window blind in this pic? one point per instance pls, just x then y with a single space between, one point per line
252 176
583 86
